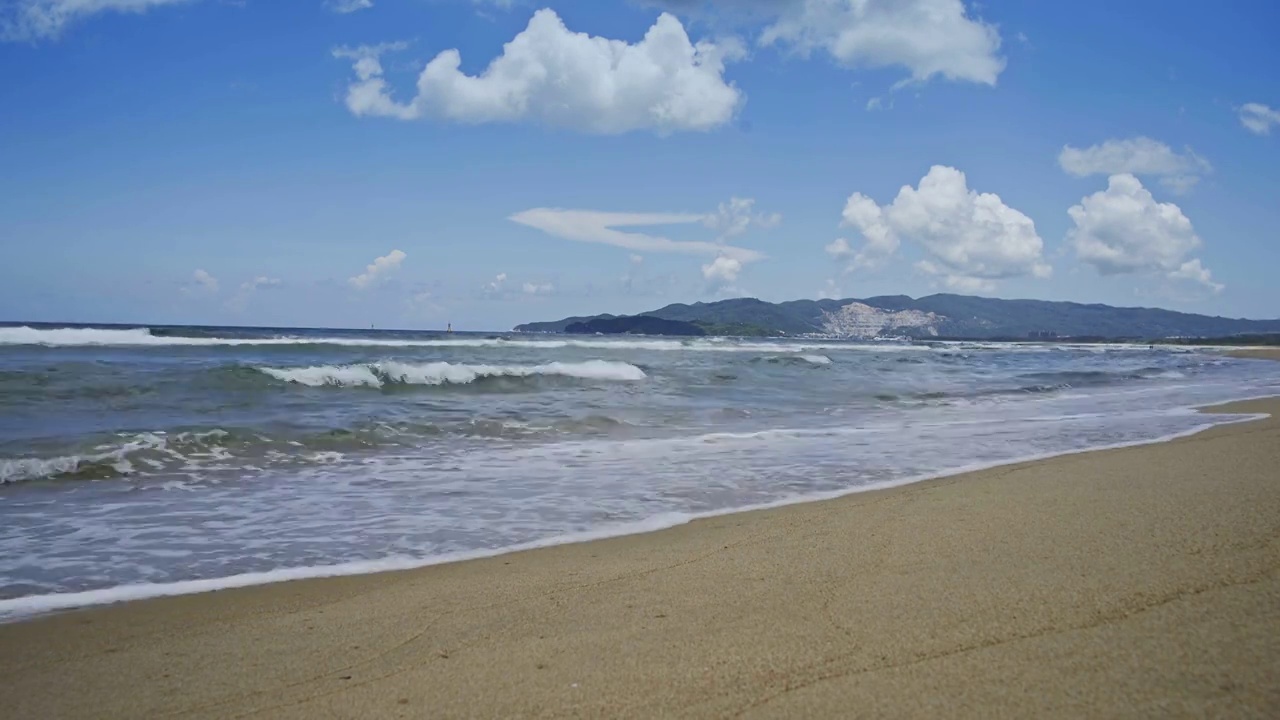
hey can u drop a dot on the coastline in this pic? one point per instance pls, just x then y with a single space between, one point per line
1136 580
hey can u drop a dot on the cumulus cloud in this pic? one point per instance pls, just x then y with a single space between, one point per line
548 74
929 38
735 217
369 95
839 249
202 283
1124 230
1195 271
879 241
344 7
722 270
1136 156
972 239
1258 118
531 288
601 227
29 20
379 268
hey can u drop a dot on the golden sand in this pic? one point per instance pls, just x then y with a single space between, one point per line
1140 582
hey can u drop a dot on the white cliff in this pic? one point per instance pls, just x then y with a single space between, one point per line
857 320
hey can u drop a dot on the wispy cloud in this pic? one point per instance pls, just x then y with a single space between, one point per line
1140 156
240 300
31 20
735 217
1258 118
344 7
602 227
202 283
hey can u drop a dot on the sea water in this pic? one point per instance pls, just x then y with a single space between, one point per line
147 461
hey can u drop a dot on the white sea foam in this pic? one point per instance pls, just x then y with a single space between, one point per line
316 376
76 337
118 457
17 608
442 373
816 359
135 337
14 470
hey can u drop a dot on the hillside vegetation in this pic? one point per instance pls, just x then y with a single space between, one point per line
942 315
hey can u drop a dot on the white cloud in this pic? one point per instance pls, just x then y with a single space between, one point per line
202 283
378 268
240 300
424 304
927 37
839 249
830 291
879 242
1258 118
369 95
1137 156
538 288
551 75
722 270
972 239
1124 230
29 20
344 7
601 227
1195 271
637 259
735 217
494 286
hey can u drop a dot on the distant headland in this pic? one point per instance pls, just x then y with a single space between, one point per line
934 316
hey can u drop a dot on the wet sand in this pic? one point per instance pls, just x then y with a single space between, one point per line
1141 582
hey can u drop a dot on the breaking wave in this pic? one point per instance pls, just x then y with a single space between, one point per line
107 461
145 337
381 374
797 359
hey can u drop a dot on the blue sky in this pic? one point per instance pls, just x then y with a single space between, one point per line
271 163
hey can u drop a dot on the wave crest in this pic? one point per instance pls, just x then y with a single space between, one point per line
381 374
108 461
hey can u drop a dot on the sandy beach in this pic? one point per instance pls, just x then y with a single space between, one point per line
1139 582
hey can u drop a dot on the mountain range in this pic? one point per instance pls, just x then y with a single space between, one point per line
941 315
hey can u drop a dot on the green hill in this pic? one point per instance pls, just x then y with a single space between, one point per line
942 315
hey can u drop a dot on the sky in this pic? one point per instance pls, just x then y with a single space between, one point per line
413 163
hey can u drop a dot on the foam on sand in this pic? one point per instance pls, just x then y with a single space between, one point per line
17 608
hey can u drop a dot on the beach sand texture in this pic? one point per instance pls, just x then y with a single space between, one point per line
1140 582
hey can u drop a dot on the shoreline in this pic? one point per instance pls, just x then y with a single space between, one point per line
19 610
1142 580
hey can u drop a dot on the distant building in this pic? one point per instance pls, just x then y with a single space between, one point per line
1042 335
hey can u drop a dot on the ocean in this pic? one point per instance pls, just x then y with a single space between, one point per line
138 462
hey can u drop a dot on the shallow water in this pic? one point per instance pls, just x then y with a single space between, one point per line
136 457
